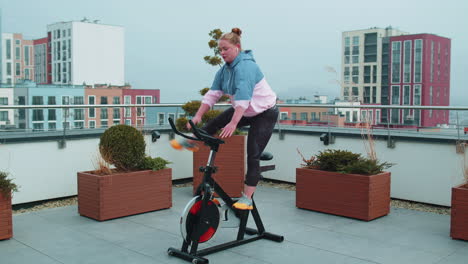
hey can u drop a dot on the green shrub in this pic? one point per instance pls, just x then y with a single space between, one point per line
123 146
154 164
191 107
6 185
365 166
333 160
344 162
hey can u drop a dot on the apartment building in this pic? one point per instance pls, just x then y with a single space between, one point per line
419 75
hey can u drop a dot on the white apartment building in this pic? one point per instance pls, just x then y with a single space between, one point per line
85 52
364 64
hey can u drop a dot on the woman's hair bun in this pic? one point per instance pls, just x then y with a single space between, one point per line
237 31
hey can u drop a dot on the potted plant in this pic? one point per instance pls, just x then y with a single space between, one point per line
137 184
7 187
344 183
459 210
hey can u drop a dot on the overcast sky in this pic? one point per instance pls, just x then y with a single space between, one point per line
293 41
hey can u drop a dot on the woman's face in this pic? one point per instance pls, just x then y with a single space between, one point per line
228 50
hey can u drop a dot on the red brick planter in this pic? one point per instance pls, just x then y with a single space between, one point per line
230 161
6 222
351 195
459 212
122 194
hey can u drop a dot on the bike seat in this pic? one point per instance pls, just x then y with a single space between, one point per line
266 156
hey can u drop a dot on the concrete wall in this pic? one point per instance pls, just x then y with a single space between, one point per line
425 171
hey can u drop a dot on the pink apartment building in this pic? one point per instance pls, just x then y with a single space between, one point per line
419 74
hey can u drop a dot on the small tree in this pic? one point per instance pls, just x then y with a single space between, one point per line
214 60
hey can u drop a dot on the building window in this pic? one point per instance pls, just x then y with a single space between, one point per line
116 113
91 111
65 100
432 61
8 49
37 100
52 126
92 124
18 53
406 94
304 116
374 95
367 74
78 100
355 74
18 69
346 75
8 68
418 60
128 110
103 100
38 115
78 114
396 53
395 95
38 126
51 115
407 61
367 94
4 116
26 55
161 118
51 100
355 94
3 100
104 113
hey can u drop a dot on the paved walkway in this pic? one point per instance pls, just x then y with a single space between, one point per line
60 235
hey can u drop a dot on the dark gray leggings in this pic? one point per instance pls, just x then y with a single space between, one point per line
261 128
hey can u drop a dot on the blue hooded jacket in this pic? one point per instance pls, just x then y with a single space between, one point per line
239 77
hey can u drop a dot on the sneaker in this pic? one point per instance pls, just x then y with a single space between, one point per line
244 203
183 143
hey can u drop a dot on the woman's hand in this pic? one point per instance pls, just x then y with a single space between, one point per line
228 130
195 121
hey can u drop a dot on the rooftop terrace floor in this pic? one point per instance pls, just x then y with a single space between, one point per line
61 235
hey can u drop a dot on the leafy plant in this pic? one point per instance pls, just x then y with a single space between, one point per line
123 146
6 185
344 162
216 59
154 164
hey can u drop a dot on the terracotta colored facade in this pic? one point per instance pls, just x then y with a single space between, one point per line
428 73
99 95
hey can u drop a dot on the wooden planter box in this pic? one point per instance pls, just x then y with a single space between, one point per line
122 194
351 195
459 212
6 221
230 161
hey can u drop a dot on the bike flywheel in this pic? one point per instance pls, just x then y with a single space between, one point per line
191 217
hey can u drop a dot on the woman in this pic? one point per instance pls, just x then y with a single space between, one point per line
253 104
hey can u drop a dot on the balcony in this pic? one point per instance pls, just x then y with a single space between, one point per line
428 163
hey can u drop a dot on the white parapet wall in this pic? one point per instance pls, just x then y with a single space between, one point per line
424 171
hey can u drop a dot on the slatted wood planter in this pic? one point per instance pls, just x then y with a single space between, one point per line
351 195
122 194
230 161
459 212
6 219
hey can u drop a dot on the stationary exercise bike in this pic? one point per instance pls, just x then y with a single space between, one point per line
204 214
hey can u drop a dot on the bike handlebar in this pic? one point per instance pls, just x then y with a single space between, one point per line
199 133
